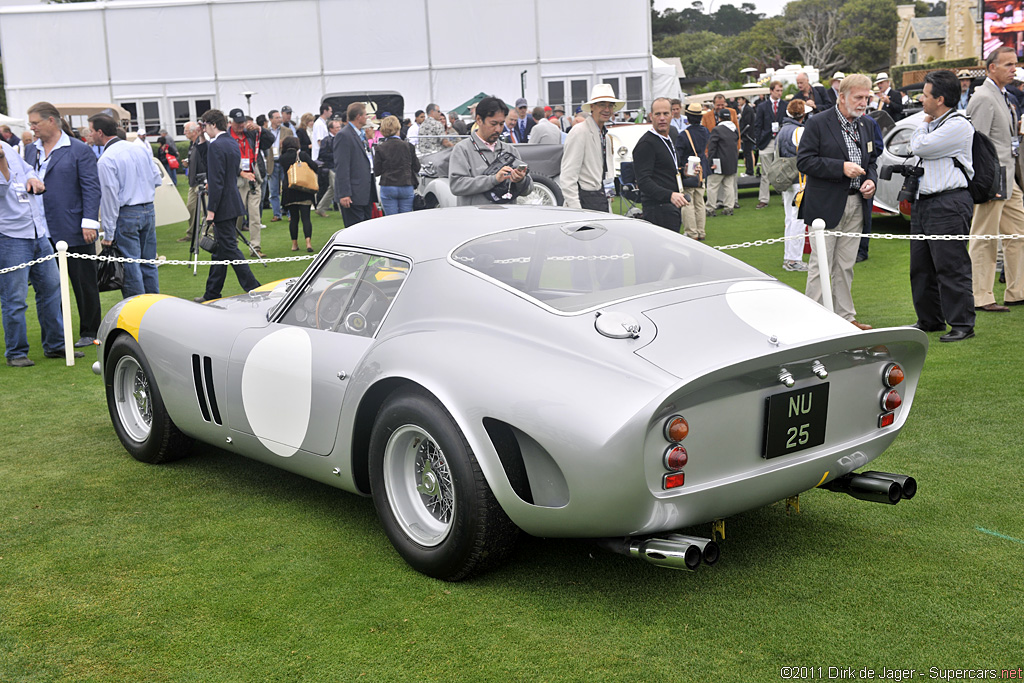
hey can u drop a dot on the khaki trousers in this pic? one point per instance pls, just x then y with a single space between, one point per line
997 217
842 254
328 199
251 198
694 217
192 205
721 191
767 154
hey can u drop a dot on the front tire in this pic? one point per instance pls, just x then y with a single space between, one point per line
136 407
430 494
544 192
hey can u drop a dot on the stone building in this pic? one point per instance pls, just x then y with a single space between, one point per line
925 39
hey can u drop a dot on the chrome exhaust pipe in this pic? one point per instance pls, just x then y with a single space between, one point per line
908 485
667 553
709 550
863 487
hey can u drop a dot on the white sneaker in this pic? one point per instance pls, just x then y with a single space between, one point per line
794 266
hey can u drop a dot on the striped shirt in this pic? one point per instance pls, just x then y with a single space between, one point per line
937 143
128 177
851 135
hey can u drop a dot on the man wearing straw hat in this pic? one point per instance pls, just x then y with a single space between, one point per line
585 172
890 101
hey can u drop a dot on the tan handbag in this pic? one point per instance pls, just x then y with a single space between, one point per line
302 176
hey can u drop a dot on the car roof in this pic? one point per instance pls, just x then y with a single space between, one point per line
433 233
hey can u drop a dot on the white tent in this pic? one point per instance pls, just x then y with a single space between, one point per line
17 125
440 51
665 78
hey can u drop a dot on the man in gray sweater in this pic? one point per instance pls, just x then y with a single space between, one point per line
467 168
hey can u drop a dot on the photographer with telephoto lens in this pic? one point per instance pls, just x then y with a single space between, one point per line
940 270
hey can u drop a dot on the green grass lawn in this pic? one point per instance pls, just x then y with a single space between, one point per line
219 568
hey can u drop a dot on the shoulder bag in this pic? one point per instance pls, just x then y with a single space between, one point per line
301 176
781 171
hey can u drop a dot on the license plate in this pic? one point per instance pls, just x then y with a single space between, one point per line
795 420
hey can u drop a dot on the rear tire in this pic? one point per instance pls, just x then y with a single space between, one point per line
430 494
136 407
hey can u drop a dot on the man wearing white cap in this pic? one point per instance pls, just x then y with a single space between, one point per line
890 101
833 90
584 175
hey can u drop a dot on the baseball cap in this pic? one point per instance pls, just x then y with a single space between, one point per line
237 115
521 102
286 109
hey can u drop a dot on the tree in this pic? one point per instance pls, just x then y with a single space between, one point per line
812 27
704 55
763 46
870 30
729 21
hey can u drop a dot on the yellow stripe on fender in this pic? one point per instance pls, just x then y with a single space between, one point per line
822 479
270 286
130 317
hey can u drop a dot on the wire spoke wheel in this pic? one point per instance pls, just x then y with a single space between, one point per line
419 485
133 398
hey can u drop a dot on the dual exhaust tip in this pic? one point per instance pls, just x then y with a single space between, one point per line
876 487
674 551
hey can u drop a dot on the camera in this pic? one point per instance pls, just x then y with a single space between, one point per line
911 179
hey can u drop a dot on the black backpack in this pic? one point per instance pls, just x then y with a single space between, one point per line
988 174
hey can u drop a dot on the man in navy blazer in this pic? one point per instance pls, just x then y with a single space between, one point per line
767 122
837 152
353 180
224 205
72 207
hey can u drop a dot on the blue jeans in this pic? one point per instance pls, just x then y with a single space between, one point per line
275 190
136 238
396 199
45 279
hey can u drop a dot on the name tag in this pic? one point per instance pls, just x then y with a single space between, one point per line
20 192
871 146
277 152
246 165
679 181
775 126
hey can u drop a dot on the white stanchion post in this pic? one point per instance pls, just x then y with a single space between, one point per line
65 302
818 228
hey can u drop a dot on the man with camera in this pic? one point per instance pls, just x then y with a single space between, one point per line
196 165
940 270
483 169
224 205
250 137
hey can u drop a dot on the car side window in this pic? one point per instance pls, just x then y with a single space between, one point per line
350 294
899 143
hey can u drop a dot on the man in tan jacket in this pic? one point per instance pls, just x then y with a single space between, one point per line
585 170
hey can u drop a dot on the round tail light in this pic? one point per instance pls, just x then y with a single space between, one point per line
676 428
891 400
893 375
675 458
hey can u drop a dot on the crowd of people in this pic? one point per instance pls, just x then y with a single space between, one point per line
57 186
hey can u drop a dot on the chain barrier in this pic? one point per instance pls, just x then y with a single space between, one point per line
159 262
603 257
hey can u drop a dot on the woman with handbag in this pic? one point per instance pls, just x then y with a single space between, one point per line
303 132
167 154
298 198
788 141
395 162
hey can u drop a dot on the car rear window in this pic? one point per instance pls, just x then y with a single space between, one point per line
579 266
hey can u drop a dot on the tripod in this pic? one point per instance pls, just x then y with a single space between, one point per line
201 228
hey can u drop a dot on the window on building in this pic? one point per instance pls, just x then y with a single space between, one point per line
149 110
634 92
556 93
186 110
614 82
578 92
913 55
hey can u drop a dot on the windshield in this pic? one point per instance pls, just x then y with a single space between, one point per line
578 266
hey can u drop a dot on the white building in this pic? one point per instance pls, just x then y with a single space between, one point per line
167 61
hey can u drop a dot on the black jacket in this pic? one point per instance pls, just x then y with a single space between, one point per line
197 161
223 160
821 156
818 96
294 195
763 119
895 106
699 148
746 115
396 163
722 146
655 169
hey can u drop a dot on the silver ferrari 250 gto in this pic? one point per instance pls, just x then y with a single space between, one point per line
483 371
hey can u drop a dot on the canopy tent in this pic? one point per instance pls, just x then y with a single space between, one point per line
17 126
665 78
463 109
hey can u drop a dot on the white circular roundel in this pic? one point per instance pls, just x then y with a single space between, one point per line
277 388
775 309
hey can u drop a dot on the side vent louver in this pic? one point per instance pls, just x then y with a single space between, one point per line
202 376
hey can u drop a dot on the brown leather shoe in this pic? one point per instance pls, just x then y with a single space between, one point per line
761 205
993 308
862 326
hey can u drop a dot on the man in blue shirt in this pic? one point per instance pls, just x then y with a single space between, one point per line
128 178
24 238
